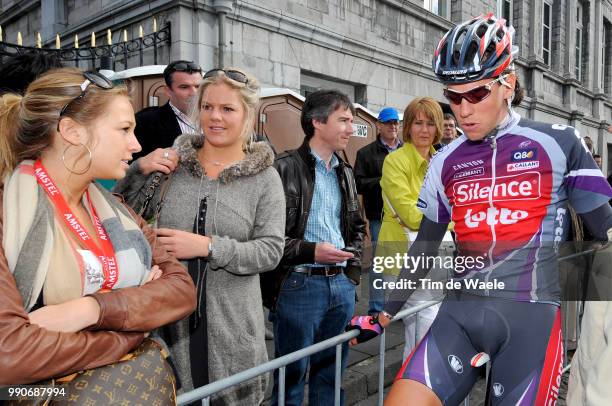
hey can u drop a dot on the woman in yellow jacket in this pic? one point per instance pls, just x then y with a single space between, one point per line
402 176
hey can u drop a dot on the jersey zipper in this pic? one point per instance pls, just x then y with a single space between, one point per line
492 225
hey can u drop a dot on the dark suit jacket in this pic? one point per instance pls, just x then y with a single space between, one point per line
156 127
368 171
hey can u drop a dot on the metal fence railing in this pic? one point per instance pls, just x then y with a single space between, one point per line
105 56
280 363
205 392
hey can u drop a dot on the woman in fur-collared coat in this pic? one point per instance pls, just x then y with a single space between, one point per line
223 213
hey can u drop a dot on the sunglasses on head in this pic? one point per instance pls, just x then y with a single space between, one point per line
90 78
232 74
189 67
475 95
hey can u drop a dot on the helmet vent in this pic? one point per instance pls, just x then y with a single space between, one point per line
456 56
460 39
481 31
443 54
471 51
488 52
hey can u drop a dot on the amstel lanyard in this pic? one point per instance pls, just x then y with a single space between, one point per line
106 252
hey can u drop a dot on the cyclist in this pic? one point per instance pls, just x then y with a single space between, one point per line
506 184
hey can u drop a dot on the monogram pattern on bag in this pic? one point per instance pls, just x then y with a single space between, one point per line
145 378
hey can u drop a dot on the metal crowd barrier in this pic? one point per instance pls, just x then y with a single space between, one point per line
280 363
205 392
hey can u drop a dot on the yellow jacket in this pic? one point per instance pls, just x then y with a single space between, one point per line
402 176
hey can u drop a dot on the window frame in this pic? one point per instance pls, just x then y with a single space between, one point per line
500 10
579 33
547 52
434 6
606 57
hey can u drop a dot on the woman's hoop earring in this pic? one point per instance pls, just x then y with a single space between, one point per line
72 170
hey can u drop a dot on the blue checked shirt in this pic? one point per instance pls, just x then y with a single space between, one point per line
324 219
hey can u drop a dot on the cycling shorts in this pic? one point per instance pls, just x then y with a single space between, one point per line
523 340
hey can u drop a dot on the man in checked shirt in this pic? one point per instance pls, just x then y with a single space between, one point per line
323 239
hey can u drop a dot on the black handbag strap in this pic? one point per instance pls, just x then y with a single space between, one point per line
162 181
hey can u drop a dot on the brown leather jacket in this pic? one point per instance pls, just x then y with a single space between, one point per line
29 353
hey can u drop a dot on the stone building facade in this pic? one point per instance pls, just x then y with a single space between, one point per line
378 51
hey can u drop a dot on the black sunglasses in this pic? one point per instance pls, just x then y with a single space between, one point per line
90 77
390 122
189 67
475 95
232 74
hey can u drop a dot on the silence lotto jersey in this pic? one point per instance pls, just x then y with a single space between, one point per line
509 200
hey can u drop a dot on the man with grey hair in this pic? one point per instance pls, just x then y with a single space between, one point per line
449 130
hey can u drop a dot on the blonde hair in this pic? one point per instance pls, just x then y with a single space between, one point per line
249 97
28 122
432 110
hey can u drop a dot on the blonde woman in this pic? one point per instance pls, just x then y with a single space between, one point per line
402 176
223 214
77 285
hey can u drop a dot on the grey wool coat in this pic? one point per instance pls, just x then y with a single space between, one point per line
246 218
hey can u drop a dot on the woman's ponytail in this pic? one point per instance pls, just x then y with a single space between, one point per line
10 107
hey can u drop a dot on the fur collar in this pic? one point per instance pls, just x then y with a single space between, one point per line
256 160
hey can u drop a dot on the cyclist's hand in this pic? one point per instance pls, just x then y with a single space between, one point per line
368 326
